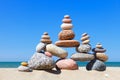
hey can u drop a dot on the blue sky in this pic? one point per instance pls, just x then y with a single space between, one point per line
22 22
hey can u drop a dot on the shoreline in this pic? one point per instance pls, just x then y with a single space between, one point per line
111 73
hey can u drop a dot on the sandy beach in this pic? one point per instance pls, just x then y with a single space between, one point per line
112 73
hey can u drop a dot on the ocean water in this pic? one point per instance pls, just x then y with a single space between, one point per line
82 64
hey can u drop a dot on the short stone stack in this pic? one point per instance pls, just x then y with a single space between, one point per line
24 67
100 58
83 50
42 59
46 38
66 35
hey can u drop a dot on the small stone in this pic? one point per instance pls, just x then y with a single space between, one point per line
66 26
66 16
24 64
56 51
40 46
40 61
24 69
66 35
67 43
47 41
45 37
85 37
45 33
102 50
68 64
48 54
84 48
96 65
102 56
66 20
86 42
84 34
82 57
98 45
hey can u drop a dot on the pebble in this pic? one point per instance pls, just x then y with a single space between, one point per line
96 65
102 56
24 69
66 35
40 61
84 48
48 54
82 57
68 64
56 51
24 64
66 26
67 43
40 46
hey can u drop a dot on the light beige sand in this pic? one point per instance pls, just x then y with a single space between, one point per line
112 73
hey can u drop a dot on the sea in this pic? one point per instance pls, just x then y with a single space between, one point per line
81 64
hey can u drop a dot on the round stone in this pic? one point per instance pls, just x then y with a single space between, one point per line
47 41
84 34
68 64
66 20
102 56
24 64
56 51
82 57
85 38
45 33
67 43
40 61
66 26
66 35
66 16
48 54
96 65
86 42
45 37
84 48
102 50
40 46
24 69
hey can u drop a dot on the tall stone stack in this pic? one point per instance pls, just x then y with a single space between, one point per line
100 58
66 35
83 50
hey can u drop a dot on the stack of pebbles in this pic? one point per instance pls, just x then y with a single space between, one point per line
66 35
24 67
100 58
83 50
42 59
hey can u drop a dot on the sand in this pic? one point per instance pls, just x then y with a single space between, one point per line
112 73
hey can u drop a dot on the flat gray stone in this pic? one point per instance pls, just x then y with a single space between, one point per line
24 69
40 46
82 57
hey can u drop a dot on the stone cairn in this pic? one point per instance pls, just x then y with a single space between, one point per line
42 58
100 58
83 50
66 35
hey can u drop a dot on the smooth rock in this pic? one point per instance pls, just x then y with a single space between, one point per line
48 54
24 64
85 38
66 35
84 48
102 56
47 41
82 57
67 43
84 34
102 50
56 51
40 46
66 26
45 37
24 69
98 45
96 65
68 64
66 16
86 42
41 61
66 20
